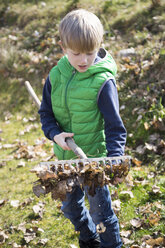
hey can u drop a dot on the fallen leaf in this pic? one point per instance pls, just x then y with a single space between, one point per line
73 246
39 190
146 237
126 234
158 241
3 237
39 209
116 206
159 205
42 241
14 203
21 227
14 245
150 147
154 219
127 241
26 202
151 175
2 164
141 150
136 162
7 115
21 164
8 146
136 222
2 202
156 189
29 235
28 129
146 125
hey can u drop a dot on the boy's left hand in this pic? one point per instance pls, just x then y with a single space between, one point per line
60 140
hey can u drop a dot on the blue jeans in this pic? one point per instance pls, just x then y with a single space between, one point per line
85 220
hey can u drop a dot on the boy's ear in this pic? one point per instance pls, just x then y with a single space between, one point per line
60 43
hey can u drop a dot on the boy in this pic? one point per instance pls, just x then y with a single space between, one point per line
80 100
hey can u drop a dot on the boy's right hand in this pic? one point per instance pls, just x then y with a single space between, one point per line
60 140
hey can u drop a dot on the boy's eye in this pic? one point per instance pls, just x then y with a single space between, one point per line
91 53
76 54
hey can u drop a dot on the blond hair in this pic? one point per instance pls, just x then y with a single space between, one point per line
81 30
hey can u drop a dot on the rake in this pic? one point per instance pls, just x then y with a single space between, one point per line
59 177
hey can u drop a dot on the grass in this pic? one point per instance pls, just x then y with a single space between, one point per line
16 184
27 55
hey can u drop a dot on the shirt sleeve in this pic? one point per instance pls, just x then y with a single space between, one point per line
49 124
115 131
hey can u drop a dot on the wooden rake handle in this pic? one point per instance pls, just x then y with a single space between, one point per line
32 93
70 142
75 148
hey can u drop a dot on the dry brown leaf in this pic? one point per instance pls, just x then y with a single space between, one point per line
146 209
15 245
21 164
150 147
158 241
39 190
146 237
136 222
156 189
73 246
29 235
161 148
116 206
140 149
39 209
151 174
127 241
146 125
2 164
126 234
42 241
26 202
154 219
15 203
136 162
29 152
21 227
2 202
8 146
7 115
3 237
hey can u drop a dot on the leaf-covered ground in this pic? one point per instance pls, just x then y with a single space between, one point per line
135 35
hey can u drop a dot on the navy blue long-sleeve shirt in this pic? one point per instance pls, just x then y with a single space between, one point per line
108 105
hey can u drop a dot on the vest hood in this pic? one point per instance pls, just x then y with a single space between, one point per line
105 63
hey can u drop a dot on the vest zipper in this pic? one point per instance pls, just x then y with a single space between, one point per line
66 89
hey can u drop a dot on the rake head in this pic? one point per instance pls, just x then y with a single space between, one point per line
60 177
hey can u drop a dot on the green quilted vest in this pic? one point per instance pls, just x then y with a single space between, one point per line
74 102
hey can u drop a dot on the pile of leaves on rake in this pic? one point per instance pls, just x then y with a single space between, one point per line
58 180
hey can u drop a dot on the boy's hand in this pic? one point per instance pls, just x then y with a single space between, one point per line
60 140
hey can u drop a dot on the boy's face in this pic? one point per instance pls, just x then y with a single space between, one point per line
80 61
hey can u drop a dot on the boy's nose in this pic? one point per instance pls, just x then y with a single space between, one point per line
83 59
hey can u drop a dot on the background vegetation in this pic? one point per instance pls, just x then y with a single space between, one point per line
135 36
